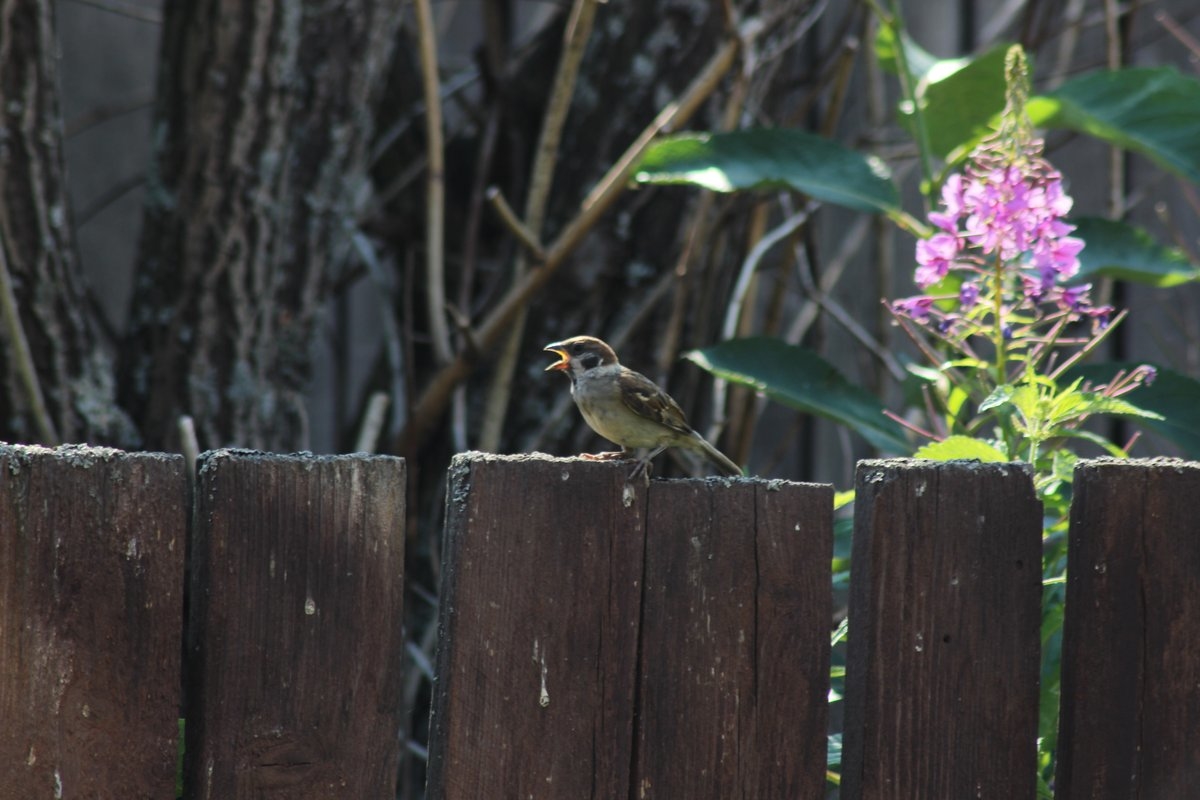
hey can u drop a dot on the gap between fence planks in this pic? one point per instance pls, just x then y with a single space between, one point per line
945 620
673 646
91 599
296 626
1131 639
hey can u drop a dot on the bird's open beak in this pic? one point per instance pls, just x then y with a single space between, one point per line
559 351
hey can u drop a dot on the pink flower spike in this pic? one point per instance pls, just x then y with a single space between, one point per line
917 308
935 256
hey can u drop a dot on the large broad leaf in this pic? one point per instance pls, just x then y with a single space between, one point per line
772 158
1172 394
920 60
1154 111
959 97
1127 252
802 379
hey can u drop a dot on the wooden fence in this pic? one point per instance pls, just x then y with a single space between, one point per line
666 642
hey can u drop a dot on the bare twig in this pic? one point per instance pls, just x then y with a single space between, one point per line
578 30
189 444
393 338
845 318
110 195
22 356
435 281
130 10
432 401
753 259
524 235
1179 32
373 421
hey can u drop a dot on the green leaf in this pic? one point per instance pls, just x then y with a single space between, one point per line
1173 395
772 158
920 60
1151 110
960 98
801 379
1000 395
1126 252
956 447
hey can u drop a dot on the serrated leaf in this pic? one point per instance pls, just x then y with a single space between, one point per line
1173 395
772 158
1126 252
1092 403
956 447
1000 395
1151 110
801 379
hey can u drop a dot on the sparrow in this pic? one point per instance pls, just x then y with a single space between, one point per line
626 407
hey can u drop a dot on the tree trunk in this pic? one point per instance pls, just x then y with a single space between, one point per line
57 381
264 114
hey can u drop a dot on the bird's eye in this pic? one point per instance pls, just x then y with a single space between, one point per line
577 348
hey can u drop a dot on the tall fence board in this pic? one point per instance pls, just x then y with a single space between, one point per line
539 617
296 639
1131 639
945 618
735 647
91 599
599 641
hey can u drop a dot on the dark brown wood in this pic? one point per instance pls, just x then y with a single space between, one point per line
735 641
945 614
536 666
671 642
295 630
1131 637
91 608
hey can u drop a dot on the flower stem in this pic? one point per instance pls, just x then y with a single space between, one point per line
998 321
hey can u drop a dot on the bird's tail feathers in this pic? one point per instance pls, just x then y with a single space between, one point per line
717 457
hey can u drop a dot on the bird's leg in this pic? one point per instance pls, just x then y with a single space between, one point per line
643 465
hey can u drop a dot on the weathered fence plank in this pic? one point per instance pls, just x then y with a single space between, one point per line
536 663
1131 637
734 671
942 666
91 603
295 631
672 643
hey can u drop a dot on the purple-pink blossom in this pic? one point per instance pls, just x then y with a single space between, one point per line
1000 225
935 257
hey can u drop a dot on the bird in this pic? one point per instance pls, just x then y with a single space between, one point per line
626 407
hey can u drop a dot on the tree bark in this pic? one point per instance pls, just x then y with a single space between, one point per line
57 382
264 114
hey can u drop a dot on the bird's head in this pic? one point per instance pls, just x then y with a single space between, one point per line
580 354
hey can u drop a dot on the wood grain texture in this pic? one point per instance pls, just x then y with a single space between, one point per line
295 630
542 571
734 670
675 646
1131 636
91 609
943 660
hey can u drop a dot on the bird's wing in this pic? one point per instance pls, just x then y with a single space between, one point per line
645 399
